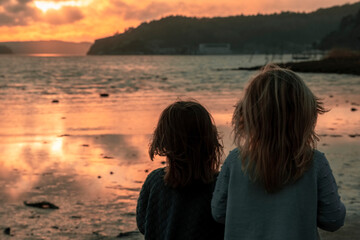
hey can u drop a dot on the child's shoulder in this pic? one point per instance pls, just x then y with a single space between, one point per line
234 155
155 175
319 158
232 159
235 152
157 172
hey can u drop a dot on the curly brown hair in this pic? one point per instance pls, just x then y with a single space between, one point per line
187 136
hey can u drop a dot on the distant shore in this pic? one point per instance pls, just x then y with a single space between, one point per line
327 65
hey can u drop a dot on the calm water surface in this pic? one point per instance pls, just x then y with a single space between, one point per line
88 154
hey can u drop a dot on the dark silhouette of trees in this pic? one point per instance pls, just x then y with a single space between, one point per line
284 32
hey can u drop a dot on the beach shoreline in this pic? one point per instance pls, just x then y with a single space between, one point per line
327 65
61 142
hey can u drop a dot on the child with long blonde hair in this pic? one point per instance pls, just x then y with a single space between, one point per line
275 184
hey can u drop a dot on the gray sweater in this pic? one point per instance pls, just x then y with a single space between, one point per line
295 212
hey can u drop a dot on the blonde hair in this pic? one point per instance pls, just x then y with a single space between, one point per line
274 127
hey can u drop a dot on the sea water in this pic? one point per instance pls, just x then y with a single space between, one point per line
75 130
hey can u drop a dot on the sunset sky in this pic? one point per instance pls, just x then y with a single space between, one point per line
87 20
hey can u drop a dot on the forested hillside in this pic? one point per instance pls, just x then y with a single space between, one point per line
286 32
52 47
346 36
5 50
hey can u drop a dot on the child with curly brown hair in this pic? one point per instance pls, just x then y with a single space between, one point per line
174 202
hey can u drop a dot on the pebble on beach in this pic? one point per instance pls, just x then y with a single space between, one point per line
335 135
64 135
42 205
7 231
128 234
354 135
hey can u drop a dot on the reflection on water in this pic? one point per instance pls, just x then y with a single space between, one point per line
88 154
47 55
93 179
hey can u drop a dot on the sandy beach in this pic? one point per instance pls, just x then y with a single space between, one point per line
87 154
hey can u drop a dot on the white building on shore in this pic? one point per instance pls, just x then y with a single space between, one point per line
214 48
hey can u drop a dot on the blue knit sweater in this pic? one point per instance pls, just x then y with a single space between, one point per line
295 212
183 213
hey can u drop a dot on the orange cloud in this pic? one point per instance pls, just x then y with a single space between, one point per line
86 20
64 15
18 12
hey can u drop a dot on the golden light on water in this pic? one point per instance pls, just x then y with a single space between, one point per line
56 146
88 154
53 147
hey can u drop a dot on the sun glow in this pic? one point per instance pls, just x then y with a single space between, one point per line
46 5
87 20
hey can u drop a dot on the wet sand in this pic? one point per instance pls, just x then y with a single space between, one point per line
91 161
350 231
343 154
